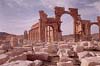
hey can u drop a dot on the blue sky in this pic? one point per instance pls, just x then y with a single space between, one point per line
19 15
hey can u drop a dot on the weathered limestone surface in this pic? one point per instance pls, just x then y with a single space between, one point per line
52 48
2 51
19 63
38 56
25 49
14 53
84 54
64 46
65 59
65 52
6 46
69 63
37 49
3 58
38 62
90 61
78 48
22 56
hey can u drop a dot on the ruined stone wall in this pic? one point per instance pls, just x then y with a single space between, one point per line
39 32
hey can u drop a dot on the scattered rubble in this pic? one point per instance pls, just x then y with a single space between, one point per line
51 54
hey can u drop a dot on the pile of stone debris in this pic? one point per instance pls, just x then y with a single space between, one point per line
62 53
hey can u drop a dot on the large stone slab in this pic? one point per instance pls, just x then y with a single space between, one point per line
37 49
38 56
23 48
2 51
64 46
90 61
38 62
15 52
62 42
52 48
84 54
84 43
65 52
19 57
65 59
3 58
78 48
19 63
69 63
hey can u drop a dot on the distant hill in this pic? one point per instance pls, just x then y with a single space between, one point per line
4 35
7 36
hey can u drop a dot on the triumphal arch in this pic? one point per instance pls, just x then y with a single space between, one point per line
49 28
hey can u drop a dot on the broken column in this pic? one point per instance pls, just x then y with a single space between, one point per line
14 41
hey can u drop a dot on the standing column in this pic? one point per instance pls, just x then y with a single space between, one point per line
31 35
49 35
28 36
46 35
99 33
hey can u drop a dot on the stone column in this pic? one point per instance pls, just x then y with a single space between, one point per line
14 41
31 35
99 33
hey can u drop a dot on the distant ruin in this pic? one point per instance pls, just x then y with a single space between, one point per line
49 28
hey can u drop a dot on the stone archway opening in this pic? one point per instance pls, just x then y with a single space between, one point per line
49 34
95 32
67 26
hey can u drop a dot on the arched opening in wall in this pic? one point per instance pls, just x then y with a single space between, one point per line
95 32
67 27
49 34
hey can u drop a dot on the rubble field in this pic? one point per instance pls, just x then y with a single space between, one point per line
62 53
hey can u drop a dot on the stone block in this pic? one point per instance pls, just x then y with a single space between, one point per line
70 53
64 46
2 51
69 63
84 43
14 52
84 54
52 48
65 52
65 59
38 56
62 42
38 62
90 61
19 57
19 63
78 48
44 50
61 53
27 48
37 49
3 58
